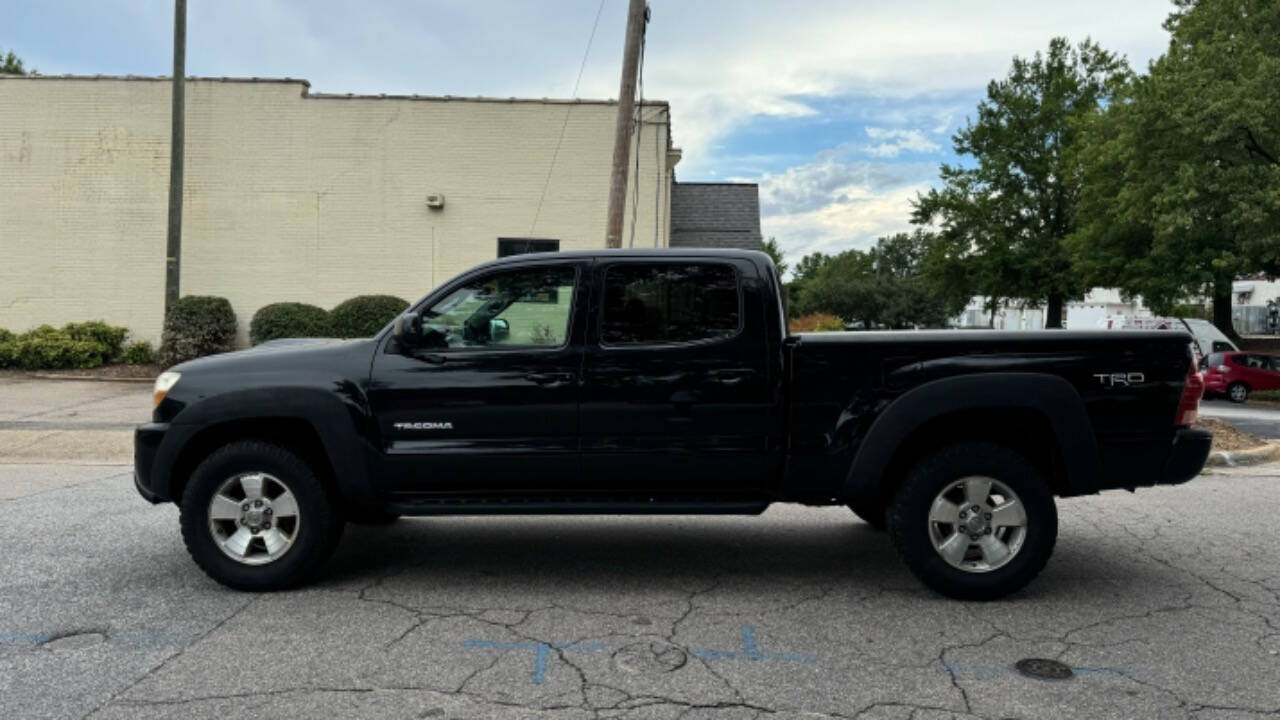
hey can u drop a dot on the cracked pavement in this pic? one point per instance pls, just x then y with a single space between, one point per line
1165 603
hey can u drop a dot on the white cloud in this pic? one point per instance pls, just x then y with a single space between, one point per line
895 140
839 201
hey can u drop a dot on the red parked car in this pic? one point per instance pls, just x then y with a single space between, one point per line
1236 374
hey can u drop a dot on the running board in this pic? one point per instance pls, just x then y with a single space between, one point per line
631 505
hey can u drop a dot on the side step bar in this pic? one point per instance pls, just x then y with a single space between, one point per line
630 505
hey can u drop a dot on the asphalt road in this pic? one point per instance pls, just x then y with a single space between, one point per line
1165 603
1261 419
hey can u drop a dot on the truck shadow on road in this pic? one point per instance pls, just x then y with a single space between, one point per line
550 555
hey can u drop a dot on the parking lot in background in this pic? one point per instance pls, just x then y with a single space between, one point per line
1165 604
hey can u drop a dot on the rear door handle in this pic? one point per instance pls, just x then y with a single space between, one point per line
550 378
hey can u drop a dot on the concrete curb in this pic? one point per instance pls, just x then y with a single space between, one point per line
88 378
1240 458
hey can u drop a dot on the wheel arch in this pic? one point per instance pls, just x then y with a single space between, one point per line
315 424
1040 416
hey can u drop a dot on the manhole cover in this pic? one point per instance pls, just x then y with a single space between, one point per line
650 658
74 641
1043 669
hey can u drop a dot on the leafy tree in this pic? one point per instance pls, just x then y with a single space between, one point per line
1004 217
1182 171
804 271
881 287
11 64
774 252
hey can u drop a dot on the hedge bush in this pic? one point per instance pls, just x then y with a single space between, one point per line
110 337
75 346
139 352
364 315
816 322
288 320
197 325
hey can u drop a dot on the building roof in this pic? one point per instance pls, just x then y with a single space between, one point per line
715 215
305 89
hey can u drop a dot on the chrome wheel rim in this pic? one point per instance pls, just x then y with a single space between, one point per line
254 518
977 524
1238 393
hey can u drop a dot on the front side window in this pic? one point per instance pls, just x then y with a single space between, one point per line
661 303
517 308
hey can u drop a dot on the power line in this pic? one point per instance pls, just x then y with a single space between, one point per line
563 126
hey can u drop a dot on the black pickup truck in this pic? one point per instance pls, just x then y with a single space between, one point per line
662 382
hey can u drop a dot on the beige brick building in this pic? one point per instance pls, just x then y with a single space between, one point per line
292 195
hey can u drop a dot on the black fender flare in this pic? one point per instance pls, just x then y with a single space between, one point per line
1052 396
335 418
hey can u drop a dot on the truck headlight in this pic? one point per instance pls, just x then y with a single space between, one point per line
164 383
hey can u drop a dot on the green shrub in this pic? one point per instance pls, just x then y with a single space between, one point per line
288 320
138 352
48 348
197 325
5 335
109 337
364 315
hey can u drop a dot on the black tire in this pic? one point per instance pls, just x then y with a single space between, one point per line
372 517
318 531
909 525
1237 392
873 516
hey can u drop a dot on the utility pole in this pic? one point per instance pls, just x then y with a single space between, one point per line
177 141
637 16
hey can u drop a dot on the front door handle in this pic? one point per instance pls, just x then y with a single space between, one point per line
728 377
549 379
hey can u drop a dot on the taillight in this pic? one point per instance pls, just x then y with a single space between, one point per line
1192 389
1222 369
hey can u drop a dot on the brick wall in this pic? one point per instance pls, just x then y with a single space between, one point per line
288 195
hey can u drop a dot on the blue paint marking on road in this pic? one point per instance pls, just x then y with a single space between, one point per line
751 651
541 652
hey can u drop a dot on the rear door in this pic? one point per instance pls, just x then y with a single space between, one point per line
677 396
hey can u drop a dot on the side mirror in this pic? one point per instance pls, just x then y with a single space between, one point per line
408 330
499 329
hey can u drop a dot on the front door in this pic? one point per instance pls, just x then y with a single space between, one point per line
487 402
677 395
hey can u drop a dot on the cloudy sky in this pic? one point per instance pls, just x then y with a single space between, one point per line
840 109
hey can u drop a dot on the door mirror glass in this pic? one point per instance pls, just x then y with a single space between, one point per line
408 330
499 330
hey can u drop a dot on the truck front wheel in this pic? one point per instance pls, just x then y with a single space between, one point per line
974 521
256 517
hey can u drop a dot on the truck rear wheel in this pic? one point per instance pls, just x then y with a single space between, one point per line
256 517
974 521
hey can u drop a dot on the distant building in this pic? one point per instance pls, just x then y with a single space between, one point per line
716 215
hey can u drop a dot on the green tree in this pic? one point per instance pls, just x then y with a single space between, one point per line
1003 218
1182 171
770 247
804 271
11 64
883 286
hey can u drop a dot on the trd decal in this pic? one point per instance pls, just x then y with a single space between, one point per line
1120 379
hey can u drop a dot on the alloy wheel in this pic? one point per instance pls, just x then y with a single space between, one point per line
254 518
977 524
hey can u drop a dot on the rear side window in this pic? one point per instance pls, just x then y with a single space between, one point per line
1214 360
662 303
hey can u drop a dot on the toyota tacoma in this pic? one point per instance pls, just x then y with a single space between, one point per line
662 381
